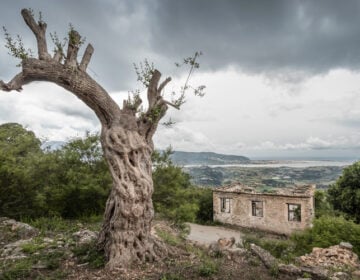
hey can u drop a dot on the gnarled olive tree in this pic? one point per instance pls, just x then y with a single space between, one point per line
126 139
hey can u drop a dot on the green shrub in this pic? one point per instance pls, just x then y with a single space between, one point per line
70 182
327 231
281 249
344 195
174 197
205 202
322 204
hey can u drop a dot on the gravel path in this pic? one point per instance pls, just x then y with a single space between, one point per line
208 234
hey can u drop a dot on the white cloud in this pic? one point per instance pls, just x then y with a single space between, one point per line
48 110
183 139
240 114
311 143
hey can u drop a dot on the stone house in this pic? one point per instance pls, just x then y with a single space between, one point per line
282 211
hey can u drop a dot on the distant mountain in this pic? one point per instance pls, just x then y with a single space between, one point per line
206 158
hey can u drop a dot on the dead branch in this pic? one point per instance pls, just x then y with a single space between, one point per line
86 57
163 84
39 30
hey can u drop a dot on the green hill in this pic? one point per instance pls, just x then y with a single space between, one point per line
206 158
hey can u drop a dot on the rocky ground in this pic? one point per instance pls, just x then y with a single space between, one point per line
58 249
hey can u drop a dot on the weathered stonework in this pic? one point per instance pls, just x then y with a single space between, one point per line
240 205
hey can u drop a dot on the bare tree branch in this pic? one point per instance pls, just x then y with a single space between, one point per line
58 56
75 81
15 84
86 57
39 30
163 84
152 92
171 104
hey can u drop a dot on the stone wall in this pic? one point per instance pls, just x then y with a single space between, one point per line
275 211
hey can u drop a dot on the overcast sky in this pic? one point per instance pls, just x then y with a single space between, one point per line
282 77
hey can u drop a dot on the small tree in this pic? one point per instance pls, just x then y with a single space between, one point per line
126 136
19 148
344 195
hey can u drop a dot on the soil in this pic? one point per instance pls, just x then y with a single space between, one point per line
208 234
186 261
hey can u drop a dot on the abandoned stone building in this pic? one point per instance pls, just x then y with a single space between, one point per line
282 211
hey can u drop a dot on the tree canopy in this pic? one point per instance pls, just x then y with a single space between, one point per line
344 195
71 182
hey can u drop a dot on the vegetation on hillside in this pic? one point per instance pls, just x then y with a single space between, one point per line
73 181
175 198
70 182
344 195
44 187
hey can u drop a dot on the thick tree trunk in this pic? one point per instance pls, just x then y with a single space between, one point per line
125 236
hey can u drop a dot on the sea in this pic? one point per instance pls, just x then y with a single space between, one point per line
284 163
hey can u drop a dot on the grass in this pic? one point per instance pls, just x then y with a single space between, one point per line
34 246
53 224
281 249
208 268
88 253
17 270
49 256
171 276
46 260
23 268
168 237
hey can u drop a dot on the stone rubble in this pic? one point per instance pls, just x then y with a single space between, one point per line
23 230
222 244
14 250
338 256
85 236
318 264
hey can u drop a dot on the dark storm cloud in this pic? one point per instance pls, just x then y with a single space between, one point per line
262 36
116 29
271 37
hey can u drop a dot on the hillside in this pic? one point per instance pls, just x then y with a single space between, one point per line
264 177
206 158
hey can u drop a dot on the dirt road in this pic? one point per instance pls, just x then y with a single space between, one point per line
208 234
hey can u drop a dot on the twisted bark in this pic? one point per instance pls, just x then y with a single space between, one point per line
126 141
125 235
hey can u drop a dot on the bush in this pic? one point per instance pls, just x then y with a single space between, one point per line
205 202
70 182
18 149
327 231
281 249
174 197
344 195
322 204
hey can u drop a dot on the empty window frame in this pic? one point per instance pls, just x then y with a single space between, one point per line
257 208
294 212
225 204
